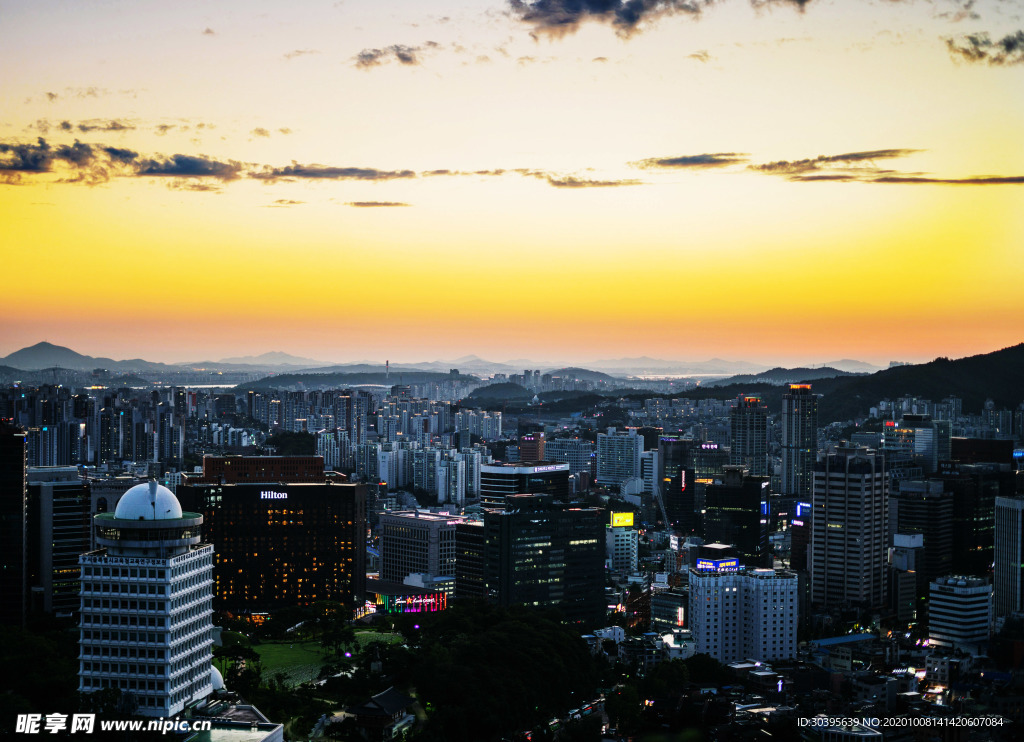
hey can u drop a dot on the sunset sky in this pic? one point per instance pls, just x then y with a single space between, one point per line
780 182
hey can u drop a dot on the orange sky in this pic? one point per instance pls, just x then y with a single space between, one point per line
759 183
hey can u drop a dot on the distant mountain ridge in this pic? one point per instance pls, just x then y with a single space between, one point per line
782 376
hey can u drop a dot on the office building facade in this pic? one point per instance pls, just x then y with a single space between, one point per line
537 553
499 481
799 440
749 614
849 530
146 626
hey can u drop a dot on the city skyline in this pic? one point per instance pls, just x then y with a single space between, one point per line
778 182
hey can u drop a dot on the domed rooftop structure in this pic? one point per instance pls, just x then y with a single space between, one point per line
216 679
149 501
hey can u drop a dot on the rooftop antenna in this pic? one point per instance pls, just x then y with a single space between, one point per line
152 496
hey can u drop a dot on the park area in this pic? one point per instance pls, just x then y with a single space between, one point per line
292 662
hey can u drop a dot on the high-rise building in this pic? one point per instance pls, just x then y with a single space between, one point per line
499 481
59 525
736 513
146 625
1008 585
469 560
451 482
622 545
576 452
679 494
417 542
541 554
748 435
618 457
13 534
531 447
849 530
799 440
283 544
960 613
750 614
924 507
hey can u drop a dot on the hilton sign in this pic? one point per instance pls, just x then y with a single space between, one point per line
271 495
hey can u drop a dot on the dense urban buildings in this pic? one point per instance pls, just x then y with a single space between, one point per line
146 615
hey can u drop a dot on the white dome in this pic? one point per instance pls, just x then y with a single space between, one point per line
216 679
138 503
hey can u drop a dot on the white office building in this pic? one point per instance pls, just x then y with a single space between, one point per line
1008 588
960 613
738 615
146 616
622 549
618 456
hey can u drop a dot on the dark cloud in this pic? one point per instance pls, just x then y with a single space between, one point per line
407 55
559 17
98 125
51 97
300 53
980 48
977 180
162 129
259 131
701 55
25 157
285 130
284 202
209 32
571 181
375 204
65 126
324 172
189 166
861 160
120 155
695 162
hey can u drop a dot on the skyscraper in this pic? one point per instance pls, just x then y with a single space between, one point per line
1008 587
849 530
59 526
542 554
748 435
146 624
618 456
799 440
417 542
736 513
13 509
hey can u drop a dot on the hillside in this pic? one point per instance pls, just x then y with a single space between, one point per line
781 376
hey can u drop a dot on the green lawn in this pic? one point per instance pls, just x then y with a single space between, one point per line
297 661
365 637
231 638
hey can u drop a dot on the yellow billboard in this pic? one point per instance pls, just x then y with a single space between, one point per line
622 520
